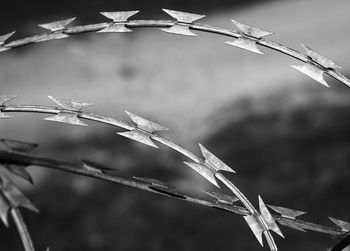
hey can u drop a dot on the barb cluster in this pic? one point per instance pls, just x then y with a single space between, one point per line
210 167
248 37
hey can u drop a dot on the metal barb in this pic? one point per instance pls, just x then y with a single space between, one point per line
3 38
3 100
206 172
213 161
145 124
268 219
313 72
94 167
14 195
287 212
250 36
255 227
184 19
223 198
320 59
139 136
18 146
57 25
4 209
69 111
153 182
19 171
119 19
344 225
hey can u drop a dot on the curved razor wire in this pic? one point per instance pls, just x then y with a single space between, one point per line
70 112
213 200
247 37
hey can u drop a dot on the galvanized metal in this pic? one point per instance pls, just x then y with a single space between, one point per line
287 212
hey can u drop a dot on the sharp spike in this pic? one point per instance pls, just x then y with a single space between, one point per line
344 225
320 59
251 31
287 212
3 100
69 104
4 209
313 72
294 225
51 36
223 198
18 146
152 182
119 20
246 44
213 161
67 118
5 37
184 19
204 171
119 16
139 136
94 167
266 215
19 171
145 124
15 197
255 227
58 25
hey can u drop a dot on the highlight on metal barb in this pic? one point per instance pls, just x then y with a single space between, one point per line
69 111
56 29
119 19
94 167
144 130
210 167
184 20
250 35
3 39
153 182
344 225
11 197
223 198
267 219
3 100
317 65
287 212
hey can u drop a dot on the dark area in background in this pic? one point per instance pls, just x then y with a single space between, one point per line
294 156
19 14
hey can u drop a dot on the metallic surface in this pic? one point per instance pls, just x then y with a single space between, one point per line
287 212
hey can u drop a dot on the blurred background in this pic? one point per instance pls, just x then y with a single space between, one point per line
286 136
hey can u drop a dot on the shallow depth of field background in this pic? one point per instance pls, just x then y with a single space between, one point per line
286 136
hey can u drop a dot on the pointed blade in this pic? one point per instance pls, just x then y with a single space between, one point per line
292 224
120 16
255 227
313 72
139 136
246 44
184 17
66 118
6 98
320 59
145 124
4 209
69 104
251 31
58 25
3 38
223 198
345 226
18 146
204 171
51 36
179 30
214 161
153 182
287 212
15 197
266 215
19 171
94 167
